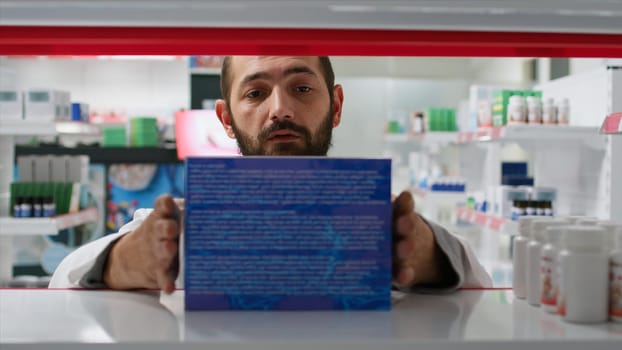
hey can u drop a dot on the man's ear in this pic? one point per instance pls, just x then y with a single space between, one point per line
225 117
337 104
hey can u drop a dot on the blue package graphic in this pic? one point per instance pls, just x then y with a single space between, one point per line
299 233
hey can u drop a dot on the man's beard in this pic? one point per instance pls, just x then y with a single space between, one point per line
313 145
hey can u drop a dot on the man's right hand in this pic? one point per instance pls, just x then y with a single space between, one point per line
148 256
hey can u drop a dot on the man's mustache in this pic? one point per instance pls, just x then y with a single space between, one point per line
284 125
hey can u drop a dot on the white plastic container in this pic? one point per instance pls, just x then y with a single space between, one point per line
572 220
534 110
534 255
612 231
587 222
517 110
549 112
549 268
584 275
563 111
519 256
615 283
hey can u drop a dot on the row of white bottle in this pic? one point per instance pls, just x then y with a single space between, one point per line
570 266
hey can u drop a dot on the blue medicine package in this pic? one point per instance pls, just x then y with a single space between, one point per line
287 233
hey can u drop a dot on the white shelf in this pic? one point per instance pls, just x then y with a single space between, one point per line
26 128
492 222
428 137
38 128
529 133
523 132
10 226
612 124
465 320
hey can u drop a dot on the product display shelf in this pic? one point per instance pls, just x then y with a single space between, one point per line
492 222
612 124
27 128
527 132
46 226
464 320
428 137
439 196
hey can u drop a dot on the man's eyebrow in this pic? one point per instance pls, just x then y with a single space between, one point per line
289 71
299 69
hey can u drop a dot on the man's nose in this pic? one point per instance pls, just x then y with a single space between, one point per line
280 105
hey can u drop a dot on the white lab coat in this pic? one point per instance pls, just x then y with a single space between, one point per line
462 258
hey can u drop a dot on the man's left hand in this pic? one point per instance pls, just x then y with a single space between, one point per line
417 260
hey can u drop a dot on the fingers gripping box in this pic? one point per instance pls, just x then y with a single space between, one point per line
281 233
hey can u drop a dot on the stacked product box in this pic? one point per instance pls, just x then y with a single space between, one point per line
441 119
144 132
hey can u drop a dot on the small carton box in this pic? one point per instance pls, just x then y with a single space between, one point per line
11 105
41 105
78 169
59 169
41 169
25 168
287 233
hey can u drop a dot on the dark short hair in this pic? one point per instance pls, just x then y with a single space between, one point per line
225 77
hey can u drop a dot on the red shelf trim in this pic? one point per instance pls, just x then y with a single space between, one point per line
90 40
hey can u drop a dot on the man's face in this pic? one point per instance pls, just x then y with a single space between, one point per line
280 106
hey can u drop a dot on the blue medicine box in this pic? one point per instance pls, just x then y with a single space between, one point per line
287 233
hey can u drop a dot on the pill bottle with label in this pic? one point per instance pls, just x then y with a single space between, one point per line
549 268
584 275
534 110
37 207
519 256
17 207
26 207
549 112
563 111
615 282
534 256
49 207
517 110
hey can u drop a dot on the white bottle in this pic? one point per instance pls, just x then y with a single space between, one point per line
534 110
519 256
549 268
615 283
587 222
563 111
584 275
549 112
573 219
612 229
534 255
517 110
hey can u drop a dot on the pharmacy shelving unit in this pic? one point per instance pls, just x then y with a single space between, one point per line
11 227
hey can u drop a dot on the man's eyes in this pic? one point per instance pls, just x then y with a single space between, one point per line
253 94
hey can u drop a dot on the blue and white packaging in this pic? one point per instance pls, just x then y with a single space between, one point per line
287 233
